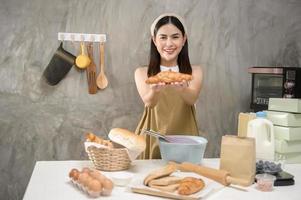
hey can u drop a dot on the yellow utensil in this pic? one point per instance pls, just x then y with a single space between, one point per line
82 60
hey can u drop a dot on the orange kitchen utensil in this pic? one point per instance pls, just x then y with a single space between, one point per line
102 81
91 71
82 61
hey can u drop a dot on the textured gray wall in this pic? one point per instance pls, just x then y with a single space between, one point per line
41 122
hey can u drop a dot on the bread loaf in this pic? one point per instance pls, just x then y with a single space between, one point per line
128 139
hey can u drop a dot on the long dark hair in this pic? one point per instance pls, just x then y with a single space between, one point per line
183 58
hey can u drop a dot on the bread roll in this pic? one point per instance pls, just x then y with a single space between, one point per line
91 137
128 139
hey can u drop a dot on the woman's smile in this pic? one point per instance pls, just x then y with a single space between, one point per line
169 51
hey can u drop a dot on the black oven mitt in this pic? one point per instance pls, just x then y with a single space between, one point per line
59 65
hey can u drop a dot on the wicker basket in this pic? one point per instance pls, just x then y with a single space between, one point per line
109 159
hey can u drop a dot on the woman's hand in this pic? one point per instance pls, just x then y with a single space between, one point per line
190 91
180 86
158 87
149 94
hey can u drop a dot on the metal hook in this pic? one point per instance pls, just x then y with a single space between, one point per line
92 38
82 37
72 38
62 37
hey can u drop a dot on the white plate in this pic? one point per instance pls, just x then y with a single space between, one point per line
210 187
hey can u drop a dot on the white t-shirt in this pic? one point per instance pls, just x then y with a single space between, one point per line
173 68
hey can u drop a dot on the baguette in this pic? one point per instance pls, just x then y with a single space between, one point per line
158 173
168 180
166 188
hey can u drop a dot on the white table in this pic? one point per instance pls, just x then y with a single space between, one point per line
50 180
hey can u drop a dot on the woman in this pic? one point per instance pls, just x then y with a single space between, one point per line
169 108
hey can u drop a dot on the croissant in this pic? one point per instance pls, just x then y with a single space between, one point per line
190 185
168 77
90 137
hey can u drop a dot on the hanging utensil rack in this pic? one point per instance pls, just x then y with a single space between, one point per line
90 38
81 37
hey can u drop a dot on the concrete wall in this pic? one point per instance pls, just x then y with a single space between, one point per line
42 122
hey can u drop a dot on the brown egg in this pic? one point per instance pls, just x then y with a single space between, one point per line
86 169
95 186
107 187
88 180
83 178
74 173
97 175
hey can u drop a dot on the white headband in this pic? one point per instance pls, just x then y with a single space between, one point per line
152 28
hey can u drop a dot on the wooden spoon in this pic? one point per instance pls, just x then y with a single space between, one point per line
102 81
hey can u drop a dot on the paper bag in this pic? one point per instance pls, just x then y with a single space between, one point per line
238 157
243 120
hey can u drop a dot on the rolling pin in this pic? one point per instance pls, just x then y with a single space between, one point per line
218 175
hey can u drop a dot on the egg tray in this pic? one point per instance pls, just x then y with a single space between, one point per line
89 192
91 182
85 189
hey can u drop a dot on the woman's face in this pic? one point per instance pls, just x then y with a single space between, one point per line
169 42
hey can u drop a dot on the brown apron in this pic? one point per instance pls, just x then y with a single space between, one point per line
171 116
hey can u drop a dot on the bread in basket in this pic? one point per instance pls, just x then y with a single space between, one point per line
117 154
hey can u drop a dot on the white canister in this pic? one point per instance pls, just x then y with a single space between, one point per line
262 130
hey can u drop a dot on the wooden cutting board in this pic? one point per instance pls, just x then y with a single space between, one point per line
210 187
163 194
